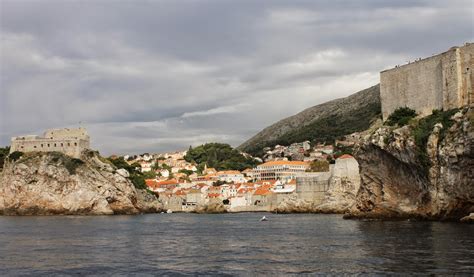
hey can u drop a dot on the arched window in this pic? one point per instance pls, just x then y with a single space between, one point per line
55 145
75 143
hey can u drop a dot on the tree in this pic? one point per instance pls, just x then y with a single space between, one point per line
3 155
220 156
319 166
401 116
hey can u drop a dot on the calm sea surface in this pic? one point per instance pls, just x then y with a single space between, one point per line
230 244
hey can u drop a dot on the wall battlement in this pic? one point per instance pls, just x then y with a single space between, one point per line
68 141
444 81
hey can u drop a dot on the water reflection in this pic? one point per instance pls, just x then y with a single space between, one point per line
235 244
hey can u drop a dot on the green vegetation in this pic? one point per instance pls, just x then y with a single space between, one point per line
3 155
401 116
340 150
72 164
186 171
136 176
318 166
422 130
15 156
325 130
220 156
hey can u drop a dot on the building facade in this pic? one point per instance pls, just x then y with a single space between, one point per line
279 170
70 141
444 81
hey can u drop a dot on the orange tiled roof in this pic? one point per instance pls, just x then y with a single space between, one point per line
345 156
262 191
228 172
273 163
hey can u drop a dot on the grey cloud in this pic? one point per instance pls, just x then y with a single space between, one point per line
159 75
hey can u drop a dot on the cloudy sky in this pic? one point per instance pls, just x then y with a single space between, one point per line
163 75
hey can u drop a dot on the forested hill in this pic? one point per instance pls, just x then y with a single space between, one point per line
324 122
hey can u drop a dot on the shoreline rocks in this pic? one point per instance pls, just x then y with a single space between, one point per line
395 183
51 183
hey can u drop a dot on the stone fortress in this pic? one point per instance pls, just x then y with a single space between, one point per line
70 141
444 81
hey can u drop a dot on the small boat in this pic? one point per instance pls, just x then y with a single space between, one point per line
169 211
263 219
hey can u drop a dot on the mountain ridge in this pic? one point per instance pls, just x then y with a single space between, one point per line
321 122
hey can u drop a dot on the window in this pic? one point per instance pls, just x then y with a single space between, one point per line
48 144
75 143
41 145
61 145
55 145
34 146
68 144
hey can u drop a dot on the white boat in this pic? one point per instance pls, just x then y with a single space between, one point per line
169 211
264 218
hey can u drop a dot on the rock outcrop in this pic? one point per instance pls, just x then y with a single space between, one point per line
211 208
400 179
52 183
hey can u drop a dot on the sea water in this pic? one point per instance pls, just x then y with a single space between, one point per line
231 244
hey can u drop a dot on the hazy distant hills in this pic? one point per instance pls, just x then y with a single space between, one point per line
324 122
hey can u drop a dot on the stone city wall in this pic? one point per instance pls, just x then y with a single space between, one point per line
443 81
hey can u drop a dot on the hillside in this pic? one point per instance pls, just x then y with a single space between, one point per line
324 122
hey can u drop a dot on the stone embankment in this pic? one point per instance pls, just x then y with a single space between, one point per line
400 179
54 184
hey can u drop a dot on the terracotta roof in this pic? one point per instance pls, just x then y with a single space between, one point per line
345 156
262 191
273 163
228 172
168 182
214 195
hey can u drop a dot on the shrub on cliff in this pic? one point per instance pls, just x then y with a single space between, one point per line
15 155
72 164
136 176
3 155
318 166
424 128
401 116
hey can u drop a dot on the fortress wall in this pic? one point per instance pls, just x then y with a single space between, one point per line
443 81
312 187
66 133
416 85
70 147
467 77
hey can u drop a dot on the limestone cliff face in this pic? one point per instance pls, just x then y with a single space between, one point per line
52 183
394 182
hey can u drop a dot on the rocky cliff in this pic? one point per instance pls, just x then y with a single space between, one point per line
323 122
408 174
52 183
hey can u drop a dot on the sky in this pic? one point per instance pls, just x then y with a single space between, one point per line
156 76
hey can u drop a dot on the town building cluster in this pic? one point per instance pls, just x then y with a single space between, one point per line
301 151
181 186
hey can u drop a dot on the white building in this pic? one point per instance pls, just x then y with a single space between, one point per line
280 170
231 176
